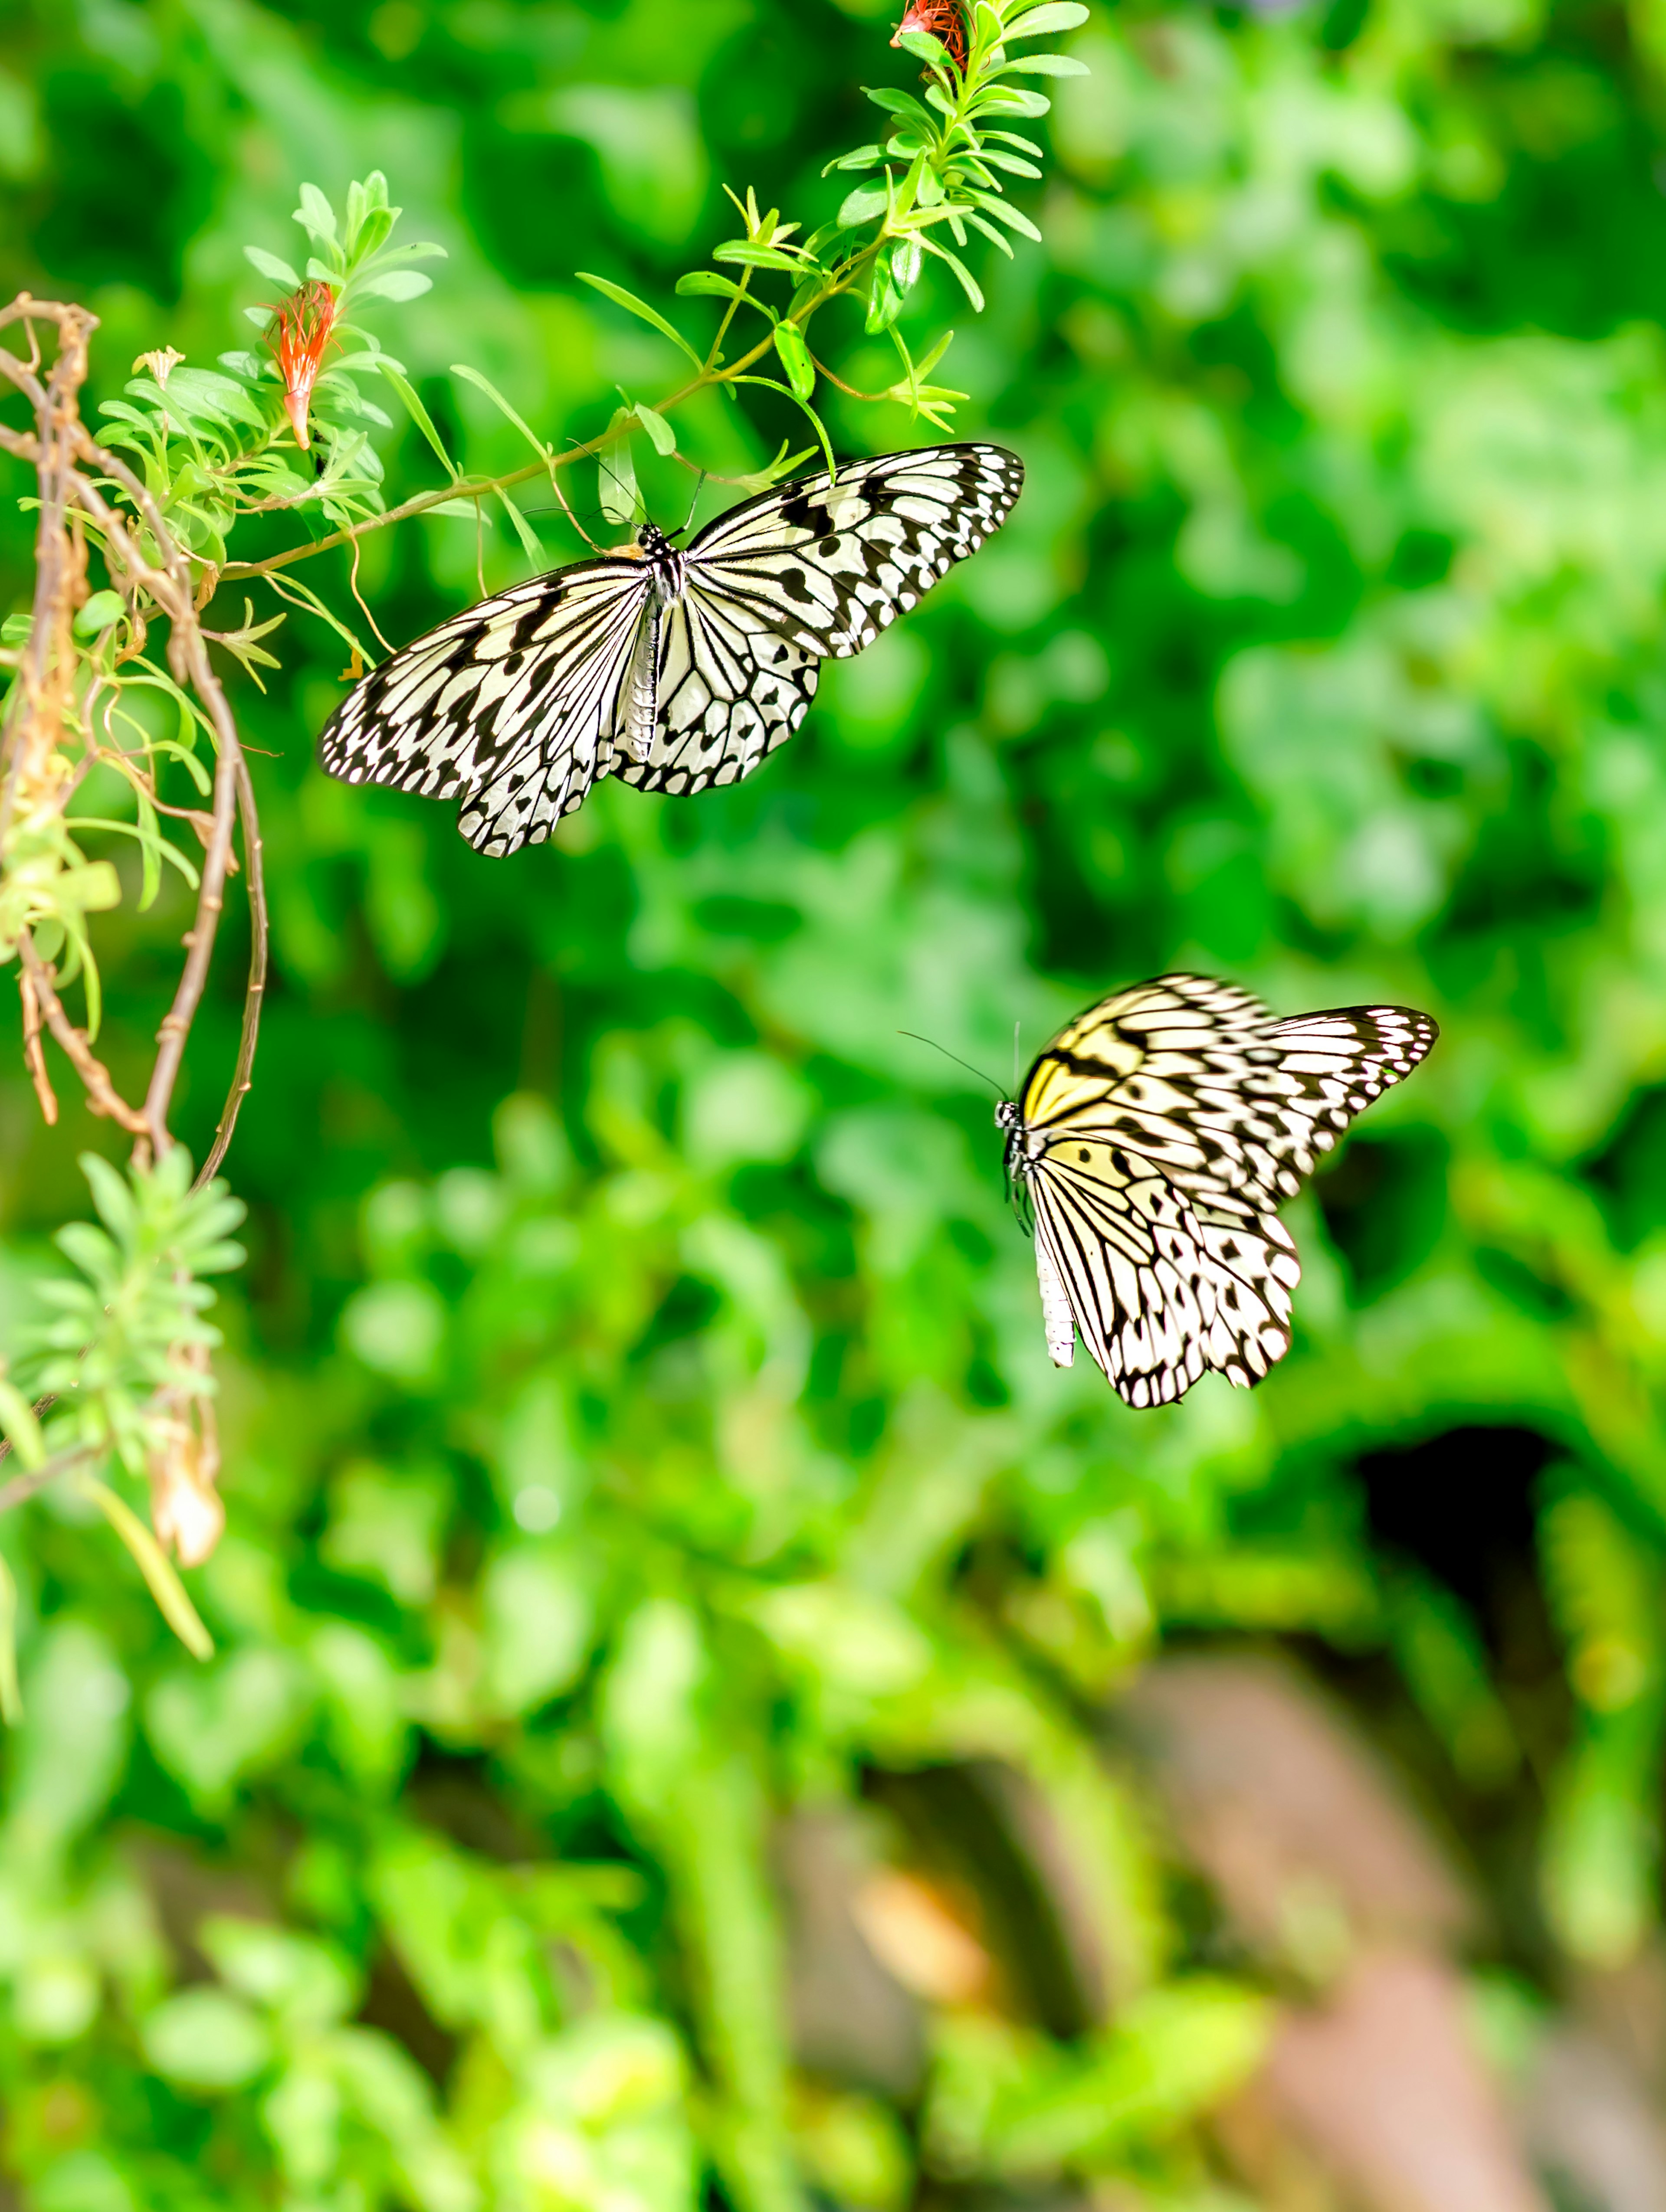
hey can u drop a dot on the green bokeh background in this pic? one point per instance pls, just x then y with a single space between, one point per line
641 1446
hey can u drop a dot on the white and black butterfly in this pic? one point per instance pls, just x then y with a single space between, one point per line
1153 1139
673 670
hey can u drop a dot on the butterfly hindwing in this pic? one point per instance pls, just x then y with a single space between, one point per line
510 707
1155 1136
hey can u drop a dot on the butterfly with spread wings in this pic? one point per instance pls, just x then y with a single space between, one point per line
1154 1140
673 670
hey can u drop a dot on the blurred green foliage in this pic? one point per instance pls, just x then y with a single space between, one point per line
637 1422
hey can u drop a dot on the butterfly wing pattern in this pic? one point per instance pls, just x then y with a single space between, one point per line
808 572
518 705
1154 1139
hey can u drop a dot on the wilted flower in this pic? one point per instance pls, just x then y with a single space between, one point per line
183 1465
305 325
162 363
941 20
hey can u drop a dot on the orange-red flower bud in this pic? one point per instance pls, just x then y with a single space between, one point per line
942 20
305 325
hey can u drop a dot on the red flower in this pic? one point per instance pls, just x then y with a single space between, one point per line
305 325
943 20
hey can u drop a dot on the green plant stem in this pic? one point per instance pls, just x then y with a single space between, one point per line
478 488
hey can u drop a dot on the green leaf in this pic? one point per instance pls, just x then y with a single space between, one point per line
640 308
899 103
419 415
968 281
862 205
269 265
1012 99
786 393
744 253
12 1696
152 1563
99 611
315 214
17 1418
523 529
1051 15
706 283
924 48
205 2039
1044 66
795 359
393 284
615 479
863 157
661 436
473 376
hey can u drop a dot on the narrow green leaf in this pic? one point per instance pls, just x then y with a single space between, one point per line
968 281
786 390
742 251
616 477
523 529
987 229
795 359
1016 138
419 415
1014 218
640 308
473 376
152 1563
861 157
706 283
150 855
924 48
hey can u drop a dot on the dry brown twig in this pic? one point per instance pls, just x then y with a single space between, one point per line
70 466
152 571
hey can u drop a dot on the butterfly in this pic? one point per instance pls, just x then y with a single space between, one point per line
672 669
1152 1142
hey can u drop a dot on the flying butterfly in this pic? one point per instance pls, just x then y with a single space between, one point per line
1152 1142
672 669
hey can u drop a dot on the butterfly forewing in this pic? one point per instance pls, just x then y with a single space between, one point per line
1224 1106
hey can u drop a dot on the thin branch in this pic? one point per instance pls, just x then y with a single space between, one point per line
102 1095
254 997
33 1058
24 1486
478 488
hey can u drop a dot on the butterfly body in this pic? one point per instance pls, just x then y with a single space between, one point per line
1152 1142
673 668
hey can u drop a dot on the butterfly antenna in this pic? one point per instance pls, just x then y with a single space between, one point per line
687 522
954 1056
555 481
